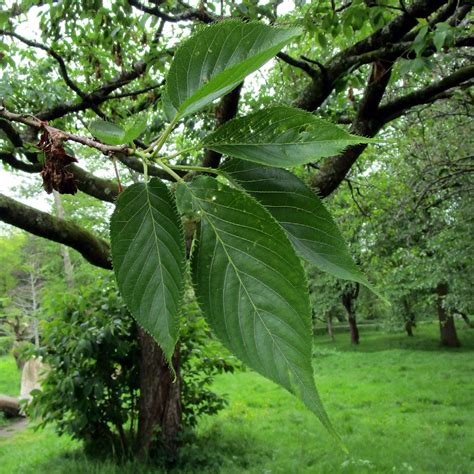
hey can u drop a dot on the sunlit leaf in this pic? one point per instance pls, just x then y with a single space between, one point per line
281 137
217 58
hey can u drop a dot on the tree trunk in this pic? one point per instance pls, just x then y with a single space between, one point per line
349 295
354 328
330 327
160 410
409 318
449 337
10 406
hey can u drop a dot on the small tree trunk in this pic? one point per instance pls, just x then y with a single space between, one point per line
354 329
349 295
409 318
449 337
330 327
160 402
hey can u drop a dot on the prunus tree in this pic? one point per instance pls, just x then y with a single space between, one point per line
367 65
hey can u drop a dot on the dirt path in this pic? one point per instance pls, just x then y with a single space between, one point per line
18 424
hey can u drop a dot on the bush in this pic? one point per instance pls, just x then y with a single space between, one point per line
6 344
92 389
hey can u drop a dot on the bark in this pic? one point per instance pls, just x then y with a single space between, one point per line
94 249
330 327
160 403
409 318
9 406
447 328
349 296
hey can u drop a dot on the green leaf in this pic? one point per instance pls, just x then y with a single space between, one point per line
309 226
252 289
107 132
217 58
149 259
281 137
135 130
113 134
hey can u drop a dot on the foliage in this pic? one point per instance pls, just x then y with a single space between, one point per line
249 281
6 344
91 389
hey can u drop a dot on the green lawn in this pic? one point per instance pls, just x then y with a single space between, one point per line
401 405
9 376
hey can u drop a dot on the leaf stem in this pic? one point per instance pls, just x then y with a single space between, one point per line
174 155
176 176
155 147
195 168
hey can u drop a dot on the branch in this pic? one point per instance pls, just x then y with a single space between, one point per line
99 95
36 123
297 63
62 65
190 14
321 86
333 171
94 249
14 162
428 94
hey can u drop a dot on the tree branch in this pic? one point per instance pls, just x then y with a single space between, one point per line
34 122
190 14
321 86
99 95
397 107
297 63
94 249
62 65
333 171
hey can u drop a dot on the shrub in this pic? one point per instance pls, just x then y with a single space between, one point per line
92 389
6 344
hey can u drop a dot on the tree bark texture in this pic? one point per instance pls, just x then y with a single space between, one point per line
349 296
160 411
447 328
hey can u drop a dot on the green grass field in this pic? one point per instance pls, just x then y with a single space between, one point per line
401 405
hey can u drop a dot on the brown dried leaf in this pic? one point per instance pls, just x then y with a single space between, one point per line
55 175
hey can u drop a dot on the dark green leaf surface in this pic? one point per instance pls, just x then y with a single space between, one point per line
252 289
309 226
107 132
281 137
214 60
149 258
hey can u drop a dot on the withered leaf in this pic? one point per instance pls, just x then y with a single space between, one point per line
55 175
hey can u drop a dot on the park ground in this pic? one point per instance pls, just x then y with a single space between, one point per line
400 404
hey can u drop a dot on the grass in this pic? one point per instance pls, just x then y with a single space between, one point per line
401 404
9 376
